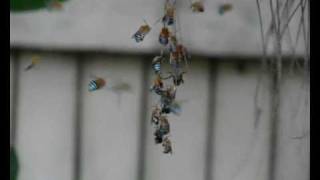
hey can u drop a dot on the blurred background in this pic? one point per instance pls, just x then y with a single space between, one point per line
229 128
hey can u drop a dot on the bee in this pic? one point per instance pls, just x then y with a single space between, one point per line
175 60
96 84
197 6
54 5
177 77
223 8
156 113
156 63
157 85
164 36
177 56
34 60
162 129
167 97
172 44
164 126
181 51
166 144
158 138
141 33
168 18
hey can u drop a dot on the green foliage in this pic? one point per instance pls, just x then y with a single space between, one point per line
14 165
25 5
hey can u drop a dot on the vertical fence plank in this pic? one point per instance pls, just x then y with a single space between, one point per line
45 118
188 131
293 161
240 149
111 121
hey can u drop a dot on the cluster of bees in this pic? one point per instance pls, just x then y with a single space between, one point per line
178 60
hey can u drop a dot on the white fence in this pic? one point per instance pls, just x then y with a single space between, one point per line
64 132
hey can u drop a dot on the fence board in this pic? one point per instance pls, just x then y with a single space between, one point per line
293 142
45 116
240 149
111 122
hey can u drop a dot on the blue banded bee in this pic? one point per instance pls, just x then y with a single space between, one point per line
96 84
157 139
224 8
156 64
164 36
164 126
34 60
177 77
162 129
166 144
173 44
168 18
167 98
157 85
155 117
197 6
141 33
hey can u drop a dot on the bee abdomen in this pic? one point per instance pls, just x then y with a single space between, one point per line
157 67
93 86
138 37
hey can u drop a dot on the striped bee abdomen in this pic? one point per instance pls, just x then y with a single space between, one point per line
96 84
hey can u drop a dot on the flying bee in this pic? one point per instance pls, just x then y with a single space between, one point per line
157 85
223 8
141 33
156 64
96 84
34 60
164 36
197 6
166 144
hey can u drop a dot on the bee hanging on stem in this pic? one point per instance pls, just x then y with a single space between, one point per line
172 44
142 32
155 116
168 18
156 63
157 85
167 147
162 129
164 36
177 77
167 98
